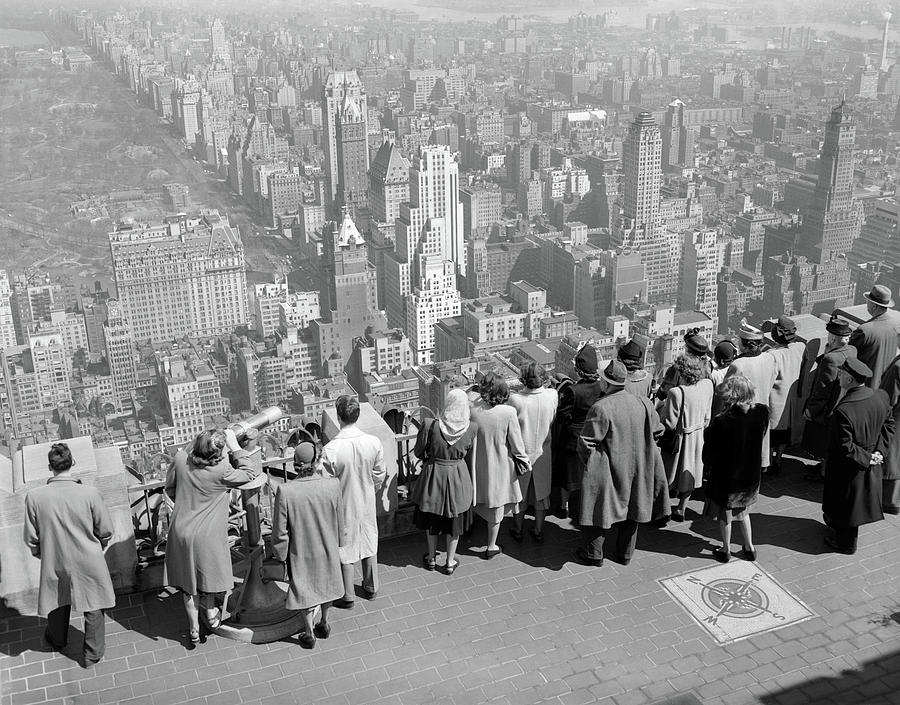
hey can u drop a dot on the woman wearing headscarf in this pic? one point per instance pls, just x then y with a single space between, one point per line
788 353
535 406
575 400
198 560
443 493
500 457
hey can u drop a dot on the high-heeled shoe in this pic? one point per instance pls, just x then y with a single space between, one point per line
194 636
449 569
215 621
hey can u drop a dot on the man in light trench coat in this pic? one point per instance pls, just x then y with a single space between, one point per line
356 458
67 526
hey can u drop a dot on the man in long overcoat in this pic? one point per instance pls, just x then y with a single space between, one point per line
356 458
67 526
824 391
890 493
876 339
306 536
624 482
860 434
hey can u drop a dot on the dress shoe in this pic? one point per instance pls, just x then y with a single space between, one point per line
677 516
450 569
370 594
722 554
488 554
749 554
322 630
307 641
582 557
835 546
343 604
428 561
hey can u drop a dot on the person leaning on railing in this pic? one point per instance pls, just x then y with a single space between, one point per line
198 560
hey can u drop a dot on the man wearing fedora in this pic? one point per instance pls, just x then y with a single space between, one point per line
859 436
624 483
824 391
876 339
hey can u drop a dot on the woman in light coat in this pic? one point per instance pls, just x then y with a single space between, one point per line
198 560
497 443
783 398
687 411
535 406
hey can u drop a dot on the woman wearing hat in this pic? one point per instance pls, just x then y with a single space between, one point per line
758 366
443 492
307 532
198 561
788 353
876 339
695 346
684 414
535 406
824 391
639 380
575 400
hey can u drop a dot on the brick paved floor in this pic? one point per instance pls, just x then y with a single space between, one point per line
527 627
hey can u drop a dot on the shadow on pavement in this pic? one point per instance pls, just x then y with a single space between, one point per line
877 681
799 534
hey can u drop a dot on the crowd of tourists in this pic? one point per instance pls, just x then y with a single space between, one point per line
610 450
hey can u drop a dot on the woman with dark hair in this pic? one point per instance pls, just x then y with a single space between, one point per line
535 406
443 492
638 381
684 414
731 455
575 400
695 346
198 560
788 353
758 365
499 457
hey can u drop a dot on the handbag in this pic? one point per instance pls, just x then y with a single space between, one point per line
670 440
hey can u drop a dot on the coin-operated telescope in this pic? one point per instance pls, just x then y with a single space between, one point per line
256 609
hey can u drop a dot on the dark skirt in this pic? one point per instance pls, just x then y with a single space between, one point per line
443 488
734 502
435 524
779 437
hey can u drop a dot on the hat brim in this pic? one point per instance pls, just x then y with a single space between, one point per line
889 304
610 380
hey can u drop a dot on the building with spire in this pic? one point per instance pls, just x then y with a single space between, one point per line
338 86
352 151
349 296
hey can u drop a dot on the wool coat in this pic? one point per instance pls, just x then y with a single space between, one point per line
536 409
638 383
862 423
623 475
731 455
784 396
444 486
876 345
497 441
198 558
356 458
67 526
760 370
890 384
307 527
575 400
824 393
687 410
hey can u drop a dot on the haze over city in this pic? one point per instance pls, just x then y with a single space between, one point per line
552 271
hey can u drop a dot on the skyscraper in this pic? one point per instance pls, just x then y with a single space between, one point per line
7 327
642 161
833 220
120 352
388 183
349 294
184 276
338 85
352 150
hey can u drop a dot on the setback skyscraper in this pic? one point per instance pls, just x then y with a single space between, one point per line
338 86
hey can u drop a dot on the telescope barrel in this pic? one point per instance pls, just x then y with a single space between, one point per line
258 421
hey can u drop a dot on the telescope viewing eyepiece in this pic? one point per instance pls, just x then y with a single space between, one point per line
259 421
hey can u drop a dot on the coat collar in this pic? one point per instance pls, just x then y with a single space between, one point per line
880 317
351 431
840 349
860 393
64 478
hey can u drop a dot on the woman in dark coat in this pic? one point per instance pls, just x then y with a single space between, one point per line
198 560
733 460
443 493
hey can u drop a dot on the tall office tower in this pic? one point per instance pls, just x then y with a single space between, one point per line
833 219
338 85
7 327
349 294
218 43
700 264
865 82
120 353
434 294
388 183
352 151
186 103
677 139
879 238
47 353
641 162
184 276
